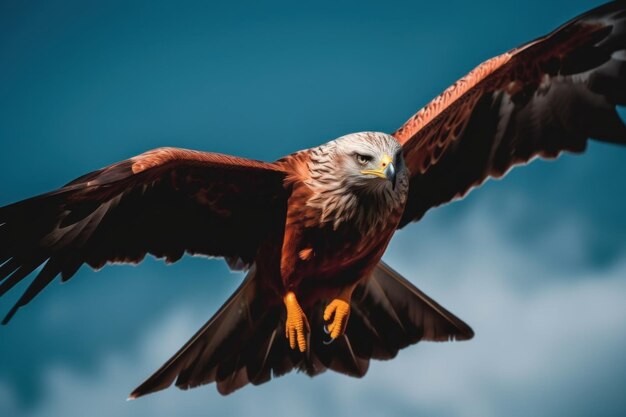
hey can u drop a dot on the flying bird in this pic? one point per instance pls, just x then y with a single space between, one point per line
310 228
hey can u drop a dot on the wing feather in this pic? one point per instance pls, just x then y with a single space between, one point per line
545 97
165 202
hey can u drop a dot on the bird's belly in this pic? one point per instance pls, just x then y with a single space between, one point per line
324 278
338 261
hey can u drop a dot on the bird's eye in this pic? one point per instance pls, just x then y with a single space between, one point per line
363 159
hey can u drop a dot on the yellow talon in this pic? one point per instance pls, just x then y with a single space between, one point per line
339 310
296 325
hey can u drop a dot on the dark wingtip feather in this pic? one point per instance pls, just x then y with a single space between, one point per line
465 332
8 268
43 278
10 314
133 396
154 383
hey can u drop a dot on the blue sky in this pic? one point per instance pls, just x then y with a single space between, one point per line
536 262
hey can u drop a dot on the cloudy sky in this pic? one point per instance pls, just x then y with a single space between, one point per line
536 263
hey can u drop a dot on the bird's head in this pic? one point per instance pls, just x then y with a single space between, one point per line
369 160
359 176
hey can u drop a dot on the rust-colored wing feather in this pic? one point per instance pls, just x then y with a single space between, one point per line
540 99
164 202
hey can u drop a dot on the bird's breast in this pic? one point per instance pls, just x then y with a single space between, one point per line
333 240
341 254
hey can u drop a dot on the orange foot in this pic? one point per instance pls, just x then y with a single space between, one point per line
296 326
339 311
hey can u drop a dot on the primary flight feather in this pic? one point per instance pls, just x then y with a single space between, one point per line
311 227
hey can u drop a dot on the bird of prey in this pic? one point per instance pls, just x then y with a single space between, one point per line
310 228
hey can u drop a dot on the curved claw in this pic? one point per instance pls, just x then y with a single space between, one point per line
337 313
329 340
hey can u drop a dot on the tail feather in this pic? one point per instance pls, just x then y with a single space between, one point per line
208 356
387 314
395 314
244 341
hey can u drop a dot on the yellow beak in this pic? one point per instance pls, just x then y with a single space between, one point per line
386 170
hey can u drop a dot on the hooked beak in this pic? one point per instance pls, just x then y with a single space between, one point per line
386 170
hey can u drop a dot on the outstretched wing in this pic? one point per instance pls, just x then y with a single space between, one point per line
164 202
540 99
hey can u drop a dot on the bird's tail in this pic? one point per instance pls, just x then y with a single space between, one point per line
244 342
231 349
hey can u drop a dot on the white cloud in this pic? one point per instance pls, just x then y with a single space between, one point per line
543 334
539 326
7 399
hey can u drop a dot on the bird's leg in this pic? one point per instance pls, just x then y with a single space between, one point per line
339 310
296 326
